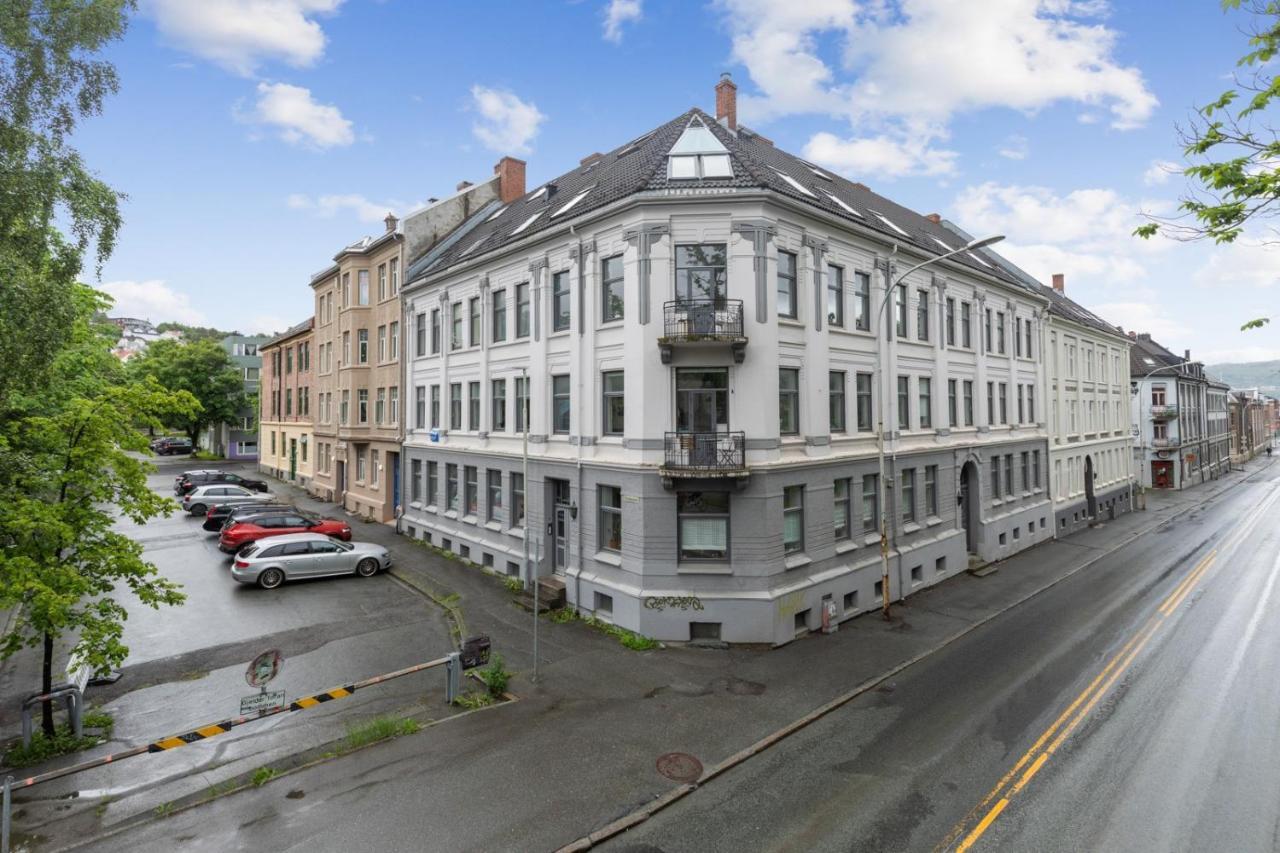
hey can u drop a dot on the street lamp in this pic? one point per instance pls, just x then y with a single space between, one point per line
881 315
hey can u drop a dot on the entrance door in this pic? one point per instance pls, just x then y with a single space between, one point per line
1090 501
968 506
1162 475
393 461
341 477
293 458
560 500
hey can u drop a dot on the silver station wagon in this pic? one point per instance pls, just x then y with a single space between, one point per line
272 561
198 500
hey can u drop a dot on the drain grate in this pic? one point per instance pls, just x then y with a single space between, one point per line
679 767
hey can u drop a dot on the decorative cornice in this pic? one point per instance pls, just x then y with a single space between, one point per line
816 243
537 264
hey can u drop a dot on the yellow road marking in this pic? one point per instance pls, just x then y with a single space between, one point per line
982 827
1168 605
1031 771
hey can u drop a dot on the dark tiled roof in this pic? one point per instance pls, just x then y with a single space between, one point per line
641 165
305 326
1144 348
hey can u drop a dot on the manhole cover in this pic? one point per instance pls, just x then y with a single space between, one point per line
680 767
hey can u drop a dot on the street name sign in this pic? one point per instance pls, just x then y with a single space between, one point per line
259 702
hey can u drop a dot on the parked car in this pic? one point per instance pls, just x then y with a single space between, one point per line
219 515
207 478
306 555
175 447
198 500
159 441
236 536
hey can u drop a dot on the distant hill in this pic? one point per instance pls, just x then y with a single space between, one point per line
1251 374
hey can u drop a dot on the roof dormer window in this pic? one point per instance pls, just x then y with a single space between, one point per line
698 154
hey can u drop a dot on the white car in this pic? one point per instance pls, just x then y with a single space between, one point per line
271 561
198 500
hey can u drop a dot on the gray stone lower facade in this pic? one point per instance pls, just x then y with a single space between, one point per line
1072 517
705 558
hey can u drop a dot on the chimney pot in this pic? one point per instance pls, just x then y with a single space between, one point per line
510 172
391 222
727 102
462 185
1060 282
936 219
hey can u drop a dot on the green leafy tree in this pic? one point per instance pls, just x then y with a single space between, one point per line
1233 148
73 459
204 370
195 333
50 78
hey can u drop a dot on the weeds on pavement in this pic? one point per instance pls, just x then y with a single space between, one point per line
263 775
63 741
379 728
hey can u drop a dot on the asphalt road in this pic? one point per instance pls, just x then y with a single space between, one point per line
1134 706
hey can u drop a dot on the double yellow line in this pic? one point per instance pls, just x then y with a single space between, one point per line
1012 783
1016 779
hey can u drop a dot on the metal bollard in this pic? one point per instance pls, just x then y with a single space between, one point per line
453 677
4 818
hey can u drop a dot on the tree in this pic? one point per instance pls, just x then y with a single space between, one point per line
204 370
1233 147
49 79
194 333
67 470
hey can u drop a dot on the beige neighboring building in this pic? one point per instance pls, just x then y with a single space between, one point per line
358 341
285 445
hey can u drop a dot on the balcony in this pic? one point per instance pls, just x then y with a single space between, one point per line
1164 413
702 322
1165 442
704 454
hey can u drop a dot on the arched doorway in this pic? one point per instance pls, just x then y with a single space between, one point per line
1091 501
969 500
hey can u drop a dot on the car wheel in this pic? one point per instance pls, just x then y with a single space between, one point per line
367 568
199 509
271 578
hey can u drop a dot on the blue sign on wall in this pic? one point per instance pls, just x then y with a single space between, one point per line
435 434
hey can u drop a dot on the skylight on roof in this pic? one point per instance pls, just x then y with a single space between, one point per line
841 202
796 185
473 247
887 221
696 139
979 260
573 201
944 246
698 154
497 213
820 173
526 223
542 190
1149 360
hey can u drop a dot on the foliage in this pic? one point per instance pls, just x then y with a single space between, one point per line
69 456
201 368
1233 147
379 728
49 80
495 676
43 747
630 639
1255 324
513 584
96 718
473 701
164 809
263 775
194 333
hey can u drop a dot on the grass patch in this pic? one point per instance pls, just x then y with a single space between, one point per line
43 748
630 639
513 584
96 718
472 701
563 616
164 809
379 728
263 775
495 676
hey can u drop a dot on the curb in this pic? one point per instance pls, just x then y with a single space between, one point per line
449 604
643 813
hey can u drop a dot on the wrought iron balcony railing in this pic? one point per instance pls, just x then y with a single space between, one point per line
704 454
1164 413
703 321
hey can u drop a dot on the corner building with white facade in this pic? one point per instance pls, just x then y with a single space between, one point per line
692 318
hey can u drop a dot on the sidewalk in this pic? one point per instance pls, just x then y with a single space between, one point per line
600 714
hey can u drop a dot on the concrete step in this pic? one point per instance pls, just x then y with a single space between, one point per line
551 595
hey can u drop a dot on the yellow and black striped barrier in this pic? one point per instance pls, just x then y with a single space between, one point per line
191 737
326 696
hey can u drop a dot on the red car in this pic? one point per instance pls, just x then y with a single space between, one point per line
242 533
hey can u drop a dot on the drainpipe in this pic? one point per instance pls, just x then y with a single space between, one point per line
577 577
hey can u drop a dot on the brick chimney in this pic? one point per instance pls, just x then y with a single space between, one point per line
590 158
727 102
1133 336
462 185
510 172
391 222
1186 355
935 218
1060 282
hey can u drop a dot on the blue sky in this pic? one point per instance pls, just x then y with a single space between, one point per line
255 138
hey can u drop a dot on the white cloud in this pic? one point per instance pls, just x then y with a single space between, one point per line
1015 147
911 64
365 210
507 124
1159 172
152 300
617 13
298 118
1243 354
1141 317
1249 262
882 156
241 34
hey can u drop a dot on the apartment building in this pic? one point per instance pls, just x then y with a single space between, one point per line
1170 417
238 438
357 339
286 447
689 331
1247 424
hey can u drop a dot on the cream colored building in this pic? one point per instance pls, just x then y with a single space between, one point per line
285 443
358 341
